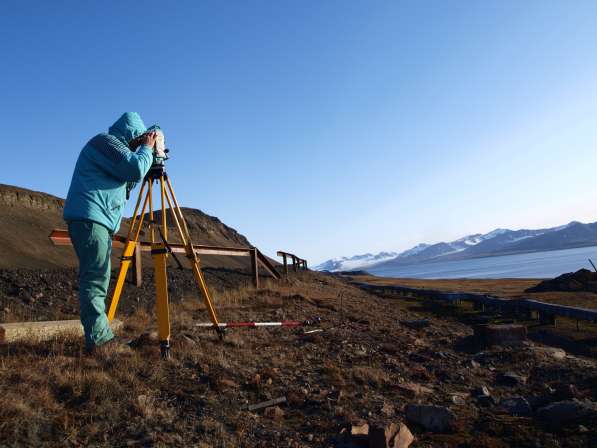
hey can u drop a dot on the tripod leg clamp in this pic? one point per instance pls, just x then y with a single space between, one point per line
160 251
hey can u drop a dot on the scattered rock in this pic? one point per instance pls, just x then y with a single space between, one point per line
482 391
432 418
359 429
483 396
143 400
503 335
511 379
395 435
550 352
381 437
458 399
416 324
275 413
387 409
26 297
517 406
562 413
404 437
225 383
474 364
413 390
564 391
485 401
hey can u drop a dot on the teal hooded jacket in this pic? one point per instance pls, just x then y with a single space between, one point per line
105 166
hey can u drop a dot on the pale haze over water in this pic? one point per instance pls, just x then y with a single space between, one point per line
534 265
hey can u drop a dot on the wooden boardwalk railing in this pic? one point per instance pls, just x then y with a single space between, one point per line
297 263
547 312
61 237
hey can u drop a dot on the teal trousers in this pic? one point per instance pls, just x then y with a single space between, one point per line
93 245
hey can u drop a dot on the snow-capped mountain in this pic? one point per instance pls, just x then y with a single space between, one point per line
496 242
355 262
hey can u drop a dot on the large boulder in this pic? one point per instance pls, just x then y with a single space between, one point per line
503 335
432 418
562 413
516 406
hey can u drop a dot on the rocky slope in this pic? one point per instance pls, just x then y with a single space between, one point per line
28 217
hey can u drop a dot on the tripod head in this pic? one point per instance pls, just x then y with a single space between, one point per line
160 153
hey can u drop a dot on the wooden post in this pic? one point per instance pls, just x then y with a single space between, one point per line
306 268
294 263
136 269
285 265
255 267
547 319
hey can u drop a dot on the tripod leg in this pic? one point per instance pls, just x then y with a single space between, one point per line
160 254
191 255
205 292
127 254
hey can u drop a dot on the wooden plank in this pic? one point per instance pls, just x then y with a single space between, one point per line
265 263
61 238
42 331
266 404
282 253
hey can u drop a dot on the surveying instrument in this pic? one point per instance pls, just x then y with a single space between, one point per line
160 249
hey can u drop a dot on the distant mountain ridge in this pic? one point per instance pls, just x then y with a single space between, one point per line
355 262
495 243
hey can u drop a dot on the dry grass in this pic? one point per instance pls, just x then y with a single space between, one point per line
371 376
507 288
51 393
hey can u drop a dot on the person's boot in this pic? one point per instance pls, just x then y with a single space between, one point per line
114 347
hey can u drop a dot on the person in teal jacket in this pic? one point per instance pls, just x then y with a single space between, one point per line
106 170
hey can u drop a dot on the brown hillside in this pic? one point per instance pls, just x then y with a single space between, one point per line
28 217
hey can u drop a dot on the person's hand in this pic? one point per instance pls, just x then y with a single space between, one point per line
149 139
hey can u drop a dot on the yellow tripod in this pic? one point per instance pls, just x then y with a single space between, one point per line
160 251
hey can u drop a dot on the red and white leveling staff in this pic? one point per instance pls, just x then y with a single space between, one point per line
284 323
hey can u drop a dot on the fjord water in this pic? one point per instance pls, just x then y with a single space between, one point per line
533 265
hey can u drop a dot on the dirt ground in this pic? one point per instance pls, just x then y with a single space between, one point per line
374 356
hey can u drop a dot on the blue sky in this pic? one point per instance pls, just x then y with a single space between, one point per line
324 128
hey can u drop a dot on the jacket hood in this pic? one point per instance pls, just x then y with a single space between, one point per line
127 127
